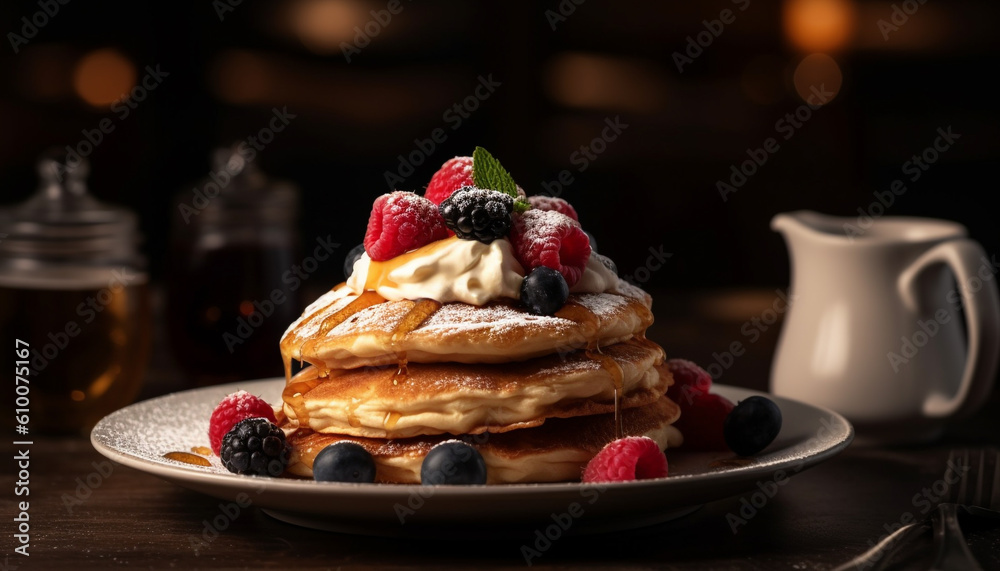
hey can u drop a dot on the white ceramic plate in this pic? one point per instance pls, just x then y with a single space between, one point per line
139 435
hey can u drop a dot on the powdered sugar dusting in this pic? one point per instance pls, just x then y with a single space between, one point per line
500 319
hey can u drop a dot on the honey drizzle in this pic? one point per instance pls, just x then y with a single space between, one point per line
593 352
422 309
294 396
391 418
591 323
187 458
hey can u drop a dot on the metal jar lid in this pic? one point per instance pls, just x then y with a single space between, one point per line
62 224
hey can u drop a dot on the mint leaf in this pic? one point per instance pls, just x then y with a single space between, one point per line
488 173
522 206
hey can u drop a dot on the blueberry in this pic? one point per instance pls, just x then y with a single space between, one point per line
453 462
752 425
593 242
544 291
352 257
344 461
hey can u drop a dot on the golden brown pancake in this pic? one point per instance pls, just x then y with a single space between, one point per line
554 452
342 330
438 398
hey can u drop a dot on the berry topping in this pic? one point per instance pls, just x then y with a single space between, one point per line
234 408
257 447
541 202
551 239
453 462
701 421
453 175
752 425
544 291
627 459
689 380
593 242
353 256
476 214
344 461
400 222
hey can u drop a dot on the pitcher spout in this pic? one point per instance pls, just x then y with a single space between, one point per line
804 222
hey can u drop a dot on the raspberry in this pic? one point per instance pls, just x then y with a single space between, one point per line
234 408
549 238
627 459
400 222
689 380
477 214
702 422
553 203
453 175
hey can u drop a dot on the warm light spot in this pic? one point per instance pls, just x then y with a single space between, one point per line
103 383
602 82
246 308
322 25
77 396
818 79
103 76
819 25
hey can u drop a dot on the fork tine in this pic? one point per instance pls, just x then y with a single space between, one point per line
958 463
995 495
978 498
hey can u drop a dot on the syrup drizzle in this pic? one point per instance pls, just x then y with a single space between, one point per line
187 458
294 394
391 418
590 323
593 352
422 309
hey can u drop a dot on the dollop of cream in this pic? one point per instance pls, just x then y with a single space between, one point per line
447 270
596 278
462 270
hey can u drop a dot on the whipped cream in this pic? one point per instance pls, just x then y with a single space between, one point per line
447 270
596 278
462 270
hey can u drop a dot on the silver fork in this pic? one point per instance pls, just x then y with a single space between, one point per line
978 494
975 490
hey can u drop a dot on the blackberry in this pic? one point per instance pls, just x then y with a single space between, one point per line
255 446
477 214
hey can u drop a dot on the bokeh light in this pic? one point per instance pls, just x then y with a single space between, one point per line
322 25
103 76
817 73
819 25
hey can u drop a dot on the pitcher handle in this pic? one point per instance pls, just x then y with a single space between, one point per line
982 310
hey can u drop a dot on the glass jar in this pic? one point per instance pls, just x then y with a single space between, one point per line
73 287
232 251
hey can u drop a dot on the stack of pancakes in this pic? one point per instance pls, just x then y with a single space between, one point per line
536 395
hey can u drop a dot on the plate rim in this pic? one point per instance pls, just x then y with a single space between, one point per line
181 474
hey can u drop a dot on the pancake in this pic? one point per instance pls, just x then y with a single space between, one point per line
343 330
438 398
554 452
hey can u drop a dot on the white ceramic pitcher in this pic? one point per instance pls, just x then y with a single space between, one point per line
875 327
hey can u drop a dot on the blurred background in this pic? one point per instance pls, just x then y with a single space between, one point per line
636 112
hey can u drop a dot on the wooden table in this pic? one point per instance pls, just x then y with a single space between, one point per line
822 517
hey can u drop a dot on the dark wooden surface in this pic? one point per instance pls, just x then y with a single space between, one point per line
821 518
